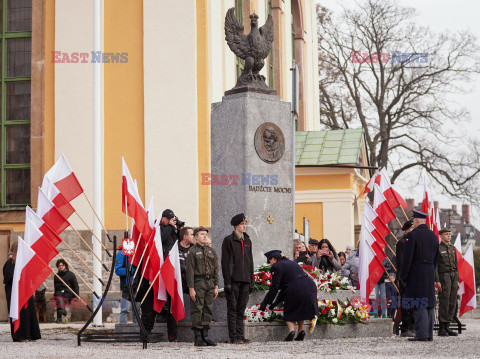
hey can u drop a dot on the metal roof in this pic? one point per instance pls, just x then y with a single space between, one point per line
320 148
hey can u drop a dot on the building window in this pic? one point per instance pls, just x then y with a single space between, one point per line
239 15
16 25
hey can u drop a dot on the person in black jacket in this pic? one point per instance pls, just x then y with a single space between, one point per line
237 269
168 231
419 261
62 294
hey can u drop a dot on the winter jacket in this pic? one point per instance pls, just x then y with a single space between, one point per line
237 259
60 289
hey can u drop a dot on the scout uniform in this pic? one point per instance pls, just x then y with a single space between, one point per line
202 275
447 275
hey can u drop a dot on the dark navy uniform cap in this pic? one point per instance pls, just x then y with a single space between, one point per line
407 225
236 220
273 253
419 214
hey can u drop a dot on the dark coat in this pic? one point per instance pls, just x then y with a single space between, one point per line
297 288
169 236
237 259
60 289
398 258
29 328
420 259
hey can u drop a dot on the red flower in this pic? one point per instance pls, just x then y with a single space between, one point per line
329 276
262 313
349 305
337 284
327 308
244 318
334 303
324 312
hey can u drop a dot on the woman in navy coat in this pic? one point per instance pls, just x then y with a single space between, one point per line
297 289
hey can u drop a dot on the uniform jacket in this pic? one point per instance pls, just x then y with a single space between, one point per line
201 261
182 254
237 259
60 289
447 260
420 259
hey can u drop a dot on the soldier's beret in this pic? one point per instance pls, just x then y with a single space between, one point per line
407 225
272 253
445 230
419 214
237 219
199 229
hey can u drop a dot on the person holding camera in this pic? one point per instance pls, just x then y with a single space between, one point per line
237 270
300 254
326 258
168 230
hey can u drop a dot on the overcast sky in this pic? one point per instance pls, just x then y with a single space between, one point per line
441 15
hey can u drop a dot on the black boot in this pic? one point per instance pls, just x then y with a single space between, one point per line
198 339
206 339
450 332
441 330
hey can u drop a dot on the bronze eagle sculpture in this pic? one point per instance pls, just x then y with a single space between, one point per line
253 48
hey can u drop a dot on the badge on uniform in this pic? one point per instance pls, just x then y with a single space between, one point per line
127 246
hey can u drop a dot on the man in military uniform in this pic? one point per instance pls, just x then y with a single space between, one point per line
202 282
418 273
447 283
407 327
237 270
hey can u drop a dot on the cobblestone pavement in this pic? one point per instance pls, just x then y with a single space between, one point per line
59 341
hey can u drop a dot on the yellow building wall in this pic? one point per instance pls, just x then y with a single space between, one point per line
49 107
314 213
124 125
320 182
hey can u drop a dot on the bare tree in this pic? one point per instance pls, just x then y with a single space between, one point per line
380 70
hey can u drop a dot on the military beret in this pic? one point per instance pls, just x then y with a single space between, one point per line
199 229
273 253
407 225
313 241
168 214
445 230
419 214
236 220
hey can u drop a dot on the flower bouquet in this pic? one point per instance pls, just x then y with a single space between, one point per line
262 278
341 313
331 282
253 315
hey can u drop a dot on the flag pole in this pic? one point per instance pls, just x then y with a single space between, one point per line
90 249
151 285
99 241
391 264
80 259
143 274
96 215
141 258
391 249
390 278
393 236
136 246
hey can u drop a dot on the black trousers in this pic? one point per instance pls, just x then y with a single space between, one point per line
148 314
236 304
171 323
408 321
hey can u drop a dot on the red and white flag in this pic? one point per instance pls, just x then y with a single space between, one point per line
155 262
379 240
50 214
426 203
458 250
172 277
57 198
369 186
30 272
131 203
47 231
381 206
36 240
372 216
62 175
370 269
469 298
393 197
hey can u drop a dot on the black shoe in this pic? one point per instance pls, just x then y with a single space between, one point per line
198 342
442 332
300 336
430 339
236 341
418 339
408 334
290 336
244 340
206 339
449 331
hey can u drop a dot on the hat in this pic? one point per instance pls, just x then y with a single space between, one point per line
350 246
313 241
419 214
445 230
199 229
236 220
168 214
407 225
273 253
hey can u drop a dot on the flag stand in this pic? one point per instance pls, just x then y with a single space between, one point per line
109 336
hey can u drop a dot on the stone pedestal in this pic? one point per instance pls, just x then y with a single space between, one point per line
252 171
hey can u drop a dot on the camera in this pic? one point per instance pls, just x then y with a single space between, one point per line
179 224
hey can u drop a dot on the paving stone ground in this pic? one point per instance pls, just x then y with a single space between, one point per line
59 341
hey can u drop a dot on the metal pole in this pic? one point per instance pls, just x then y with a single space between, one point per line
97 151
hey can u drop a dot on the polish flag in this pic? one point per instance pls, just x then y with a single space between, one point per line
154 264
458 250
131 202
467 266
62 175
172 277
50 214
47 231
36 240
135 235
426 203
393 197
381 227
369 186
57 198
30 272
379 240
381 206
370 268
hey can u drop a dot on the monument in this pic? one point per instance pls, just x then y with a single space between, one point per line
252 160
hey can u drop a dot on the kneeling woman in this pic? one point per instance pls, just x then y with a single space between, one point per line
298 291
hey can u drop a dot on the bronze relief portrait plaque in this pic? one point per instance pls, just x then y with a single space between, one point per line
269 142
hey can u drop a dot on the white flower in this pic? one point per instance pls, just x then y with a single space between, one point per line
332 311
334 320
